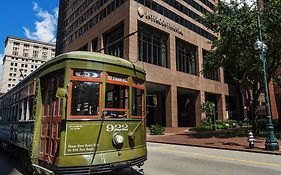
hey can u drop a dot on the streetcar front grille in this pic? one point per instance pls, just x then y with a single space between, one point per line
104 168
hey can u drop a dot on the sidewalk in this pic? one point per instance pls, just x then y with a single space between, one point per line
180 137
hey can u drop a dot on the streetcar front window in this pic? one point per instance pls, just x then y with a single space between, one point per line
85 98
116 98
137 96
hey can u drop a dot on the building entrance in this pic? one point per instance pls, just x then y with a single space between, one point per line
157 115
186 107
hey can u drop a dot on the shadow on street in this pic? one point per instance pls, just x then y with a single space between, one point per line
9 165
127 171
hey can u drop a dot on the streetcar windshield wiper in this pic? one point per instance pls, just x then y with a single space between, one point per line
131 134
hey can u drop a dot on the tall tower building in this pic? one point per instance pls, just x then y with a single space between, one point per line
165 37
21 57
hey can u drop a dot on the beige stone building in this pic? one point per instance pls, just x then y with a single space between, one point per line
21 57
167 39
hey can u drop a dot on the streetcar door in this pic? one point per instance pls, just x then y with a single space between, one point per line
51 117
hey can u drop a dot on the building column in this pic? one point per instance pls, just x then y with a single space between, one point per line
199 100
172 107
126 40
131 43
100 43
172 55
221 75
200 63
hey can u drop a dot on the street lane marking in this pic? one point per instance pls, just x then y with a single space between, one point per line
218 157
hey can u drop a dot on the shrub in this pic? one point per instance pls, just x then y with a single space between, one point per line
220 124
207 120
232 123
208 107
202 128
261 124
157 130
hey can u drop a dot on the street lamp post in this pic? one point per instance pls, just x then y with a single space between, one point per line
271 142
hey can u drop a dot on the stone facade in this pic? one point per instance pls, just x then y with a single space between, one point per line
172 86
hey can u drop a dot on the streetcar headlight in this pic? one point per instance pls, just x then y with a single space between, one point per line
118 139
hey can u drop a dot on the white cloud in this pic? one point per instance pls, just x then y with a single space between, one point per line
249 2
35 6
1 59
45 27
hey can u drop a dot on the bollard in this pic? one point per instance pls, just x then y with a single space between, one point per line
251 140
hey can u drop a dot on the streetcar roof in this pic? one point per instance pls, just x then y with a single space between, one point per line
98 57
84 56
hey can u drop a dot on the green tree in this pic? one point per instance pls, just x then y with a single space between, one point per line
237 26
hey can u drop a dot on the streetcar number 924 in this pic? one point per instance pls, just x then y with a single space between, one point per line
116 127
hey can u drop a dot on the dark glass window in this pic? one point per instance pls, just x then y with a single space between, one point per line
113 42
186 54
84 48
95 44
85 98
152 45
213 74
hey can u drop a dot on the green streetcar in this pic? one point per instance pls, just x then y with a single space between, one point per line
80 113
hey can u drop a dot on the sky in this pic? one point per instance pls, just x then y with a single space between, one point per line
30 19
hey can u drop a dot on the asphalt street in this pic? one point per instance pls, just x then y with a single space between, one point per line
9 165
165 159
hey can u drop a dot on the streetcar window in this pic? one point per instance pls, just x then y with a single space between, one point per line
85 98
31 102
116 96
137 95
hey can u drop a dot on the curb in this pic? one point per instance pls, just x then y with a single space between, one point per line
214 147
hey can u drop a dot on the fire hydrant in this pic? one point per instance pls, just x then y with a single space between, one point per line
251 140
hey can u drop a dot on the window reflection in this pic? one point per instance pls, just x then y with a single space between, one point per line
137 102
152 45
85 98
186 55
116 96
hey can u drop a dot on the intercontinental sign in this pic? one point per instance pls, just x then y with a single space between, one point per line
149 16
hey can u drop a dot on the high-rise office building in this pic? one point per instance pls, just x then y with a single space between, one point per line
165 37
21 57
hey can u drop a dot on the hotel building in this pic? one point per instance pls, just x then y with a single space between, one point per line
165 37
21 57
